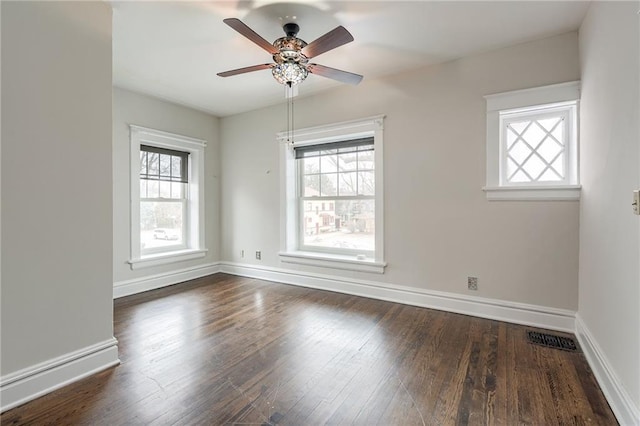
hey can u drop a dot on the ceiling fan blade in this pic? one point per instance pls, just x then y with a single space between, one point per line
334 38
245 70
243 29
339 75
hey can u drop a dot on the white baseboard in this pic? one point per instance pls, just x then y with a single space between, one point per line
152 282
40 379
621 403
518 313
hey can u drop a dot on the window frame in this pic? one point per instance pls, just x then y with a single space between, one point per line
529 103
194 237
292 251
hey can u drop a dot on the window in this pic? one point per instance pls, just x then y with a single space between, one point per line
333 204
163 201
167 191
532 147
342 174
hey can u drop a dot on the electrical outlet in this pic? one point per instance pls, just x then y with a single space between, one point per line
241 253
472 283
258 255
636 202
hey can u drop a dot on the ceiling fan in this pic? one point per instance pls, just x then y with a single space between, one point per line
291 55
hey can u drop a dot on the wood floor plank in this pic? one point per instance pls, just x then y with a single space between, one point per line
225 350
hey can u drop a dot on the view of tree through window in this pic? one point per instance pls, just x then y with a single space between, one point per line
337 196
163 181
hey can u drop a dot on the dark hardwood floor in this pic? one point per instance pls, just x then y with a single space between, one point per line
230 350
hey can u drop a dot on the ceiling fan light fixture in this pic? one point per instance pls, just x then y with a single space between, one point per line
291 55
290 73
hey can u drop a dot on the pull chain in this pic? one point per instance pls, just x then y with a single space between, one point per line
290 116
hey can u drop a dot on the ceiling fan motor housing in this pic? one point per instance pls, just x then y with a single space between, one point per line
289 47
291 29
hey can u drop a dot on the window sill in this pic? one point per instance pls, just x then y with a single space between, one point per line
533 193
164 258
349 263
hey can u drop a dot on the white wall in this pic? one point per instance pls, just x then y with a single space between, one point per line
609 301
439 227
56 181
134 108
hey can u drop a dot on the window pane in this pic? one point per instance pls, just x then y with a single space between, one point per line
153 190
176 189
329 164
348 184
511 167
143 162
311 186
143 188
549 149
366 160
152 158
520 177
534 135
519 152
549 176
366 183
534 167
165 189
519 126
160 224
549 123
348 162
341 225
511 137
311 165
165 165
558 165
176 164
558 134
329 184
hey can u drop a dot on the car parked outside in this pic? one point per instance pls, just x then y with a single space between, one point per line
165 234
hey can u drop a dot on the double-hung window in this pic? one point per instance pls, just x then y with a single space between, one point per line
167 197
164 186
532 144
333 204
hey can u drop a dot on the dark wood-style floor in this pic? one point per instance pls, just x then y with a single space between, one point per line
229 350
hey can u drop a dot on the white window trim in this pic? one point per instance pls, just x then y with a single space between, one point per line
290 253
195 238
527 99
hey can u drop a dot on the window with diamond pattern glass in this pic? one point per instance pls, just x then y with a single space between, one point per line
534 148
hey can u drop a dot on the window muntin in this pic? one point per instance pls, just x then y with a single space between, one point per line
337 197
535 145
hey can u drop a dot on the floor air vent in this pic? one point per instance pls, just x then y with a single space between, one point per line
552 341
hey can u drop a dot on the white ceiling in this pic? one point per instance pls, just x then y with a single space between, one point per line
173 50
